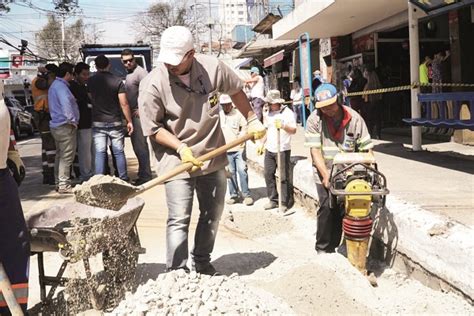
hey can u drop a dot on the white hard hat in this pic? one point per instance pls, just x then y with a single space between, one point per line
176 41
225 99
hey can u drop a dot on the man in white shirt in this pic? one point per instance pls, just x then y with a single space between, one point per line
280 118
257 92
233 126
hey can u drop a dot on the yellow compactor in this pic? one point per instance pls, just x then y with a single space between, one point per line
356 182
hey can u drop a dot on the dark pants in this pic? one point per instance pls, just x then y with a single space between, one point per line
372 115
48 147
270 165
14 240
329 222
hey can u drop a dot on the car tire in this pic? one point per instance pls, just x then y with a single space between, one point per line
31 129
16 130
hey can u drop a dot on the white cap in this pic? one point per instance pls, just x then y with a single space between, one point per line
176 41
225 99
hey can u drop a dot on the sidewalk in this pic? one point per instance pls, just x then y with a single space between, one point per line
428 218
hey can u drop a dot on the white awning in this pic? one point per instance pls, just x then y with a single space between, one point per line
256 47
328 18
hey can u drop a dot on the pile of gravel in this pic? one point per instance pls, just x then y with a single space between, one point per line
178 292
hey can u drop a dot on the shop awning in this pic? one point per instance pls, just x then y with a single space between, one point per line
262 47
328 18
273 59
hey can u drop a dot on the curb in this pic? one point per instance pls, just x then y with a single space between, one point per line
428 247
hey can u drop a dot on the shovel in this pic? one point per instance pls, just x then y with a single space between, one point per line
119 193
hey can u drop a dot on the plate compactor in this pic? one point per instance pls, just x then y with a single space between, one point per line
356 183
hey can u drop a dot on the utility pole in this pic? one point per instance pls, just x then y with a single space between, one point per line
63 8
196 27
210 22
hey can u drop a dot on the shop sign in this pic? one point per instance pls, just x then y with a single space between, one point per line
305 69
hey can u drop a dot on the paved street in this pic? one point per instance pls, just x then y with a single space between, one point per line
268 251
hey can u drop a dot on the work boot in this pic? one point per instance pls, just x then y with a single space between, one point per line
205 268
232 200
270 205
65 190
248 201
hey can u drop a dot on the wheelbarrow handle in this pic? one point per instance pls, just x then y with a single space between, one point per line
187 166
48 233
8 295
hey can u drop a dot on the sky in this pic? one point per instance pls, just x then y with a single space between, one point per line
114 18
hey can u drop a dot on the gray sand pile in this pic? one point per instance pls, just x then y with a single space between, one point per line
178 293
257 223
85 195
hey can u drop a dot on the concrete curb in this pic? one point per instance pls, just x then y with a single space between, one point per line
440 247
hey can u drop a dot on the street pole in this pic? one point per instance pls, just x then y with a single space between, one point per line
196 28
210 29
414 73
63 36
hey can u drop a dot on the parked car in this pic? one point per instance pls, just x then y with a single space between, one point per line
21 120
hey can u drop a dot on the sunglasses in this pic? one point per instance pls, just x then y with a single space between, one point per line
126 61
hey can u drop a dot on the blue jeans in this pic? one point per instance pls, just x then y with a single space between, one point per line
237 165
116 134
140 148
210 190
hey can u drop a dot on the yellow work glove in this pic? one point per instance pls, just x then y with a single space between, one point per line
261 149
255 127
186 155
16 166
278 124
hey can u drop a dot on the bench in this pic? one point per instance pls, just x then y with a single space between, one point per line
444 110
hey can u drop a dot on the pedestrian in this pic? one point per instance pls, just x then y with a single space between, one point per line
78 88
64 122
233 126
39 91
317 79
257 92
436 66
357 85
139 142
280 117
179 111
372 109
346 83
296 95
14 235
109 102
424 74
326 130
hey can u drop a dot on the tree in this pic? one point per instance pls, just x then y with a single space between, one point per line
160 16
49 39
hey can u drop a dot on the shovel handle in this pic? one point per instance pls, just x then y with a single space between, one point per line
187 166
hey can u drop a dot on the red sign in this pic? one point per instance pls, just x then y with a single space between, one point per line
363 44
17 61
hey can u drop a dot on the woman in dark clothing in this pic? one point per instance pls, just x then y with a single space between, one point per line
371 111
357 85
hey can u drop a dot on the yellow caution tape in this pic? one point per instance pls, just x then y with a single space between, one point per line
414 85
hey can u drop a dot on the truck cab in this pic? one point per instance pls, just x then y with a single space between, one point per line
143 56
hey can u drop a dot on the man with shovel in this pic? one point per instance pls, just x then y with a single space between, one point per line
281 124
179 111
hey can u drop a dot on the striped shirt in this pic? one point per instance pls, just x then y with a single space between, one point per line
317 135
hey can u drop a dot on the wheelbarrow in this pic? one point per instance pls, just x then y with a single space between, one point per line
77 232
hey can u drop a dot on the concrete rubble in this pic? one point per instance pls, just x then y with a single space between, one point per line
178 292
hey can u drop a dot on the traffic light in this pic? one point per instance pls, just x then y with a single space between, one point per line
24 44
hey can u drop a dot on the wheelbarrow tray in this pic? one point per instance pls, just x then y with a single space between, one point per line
50 228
